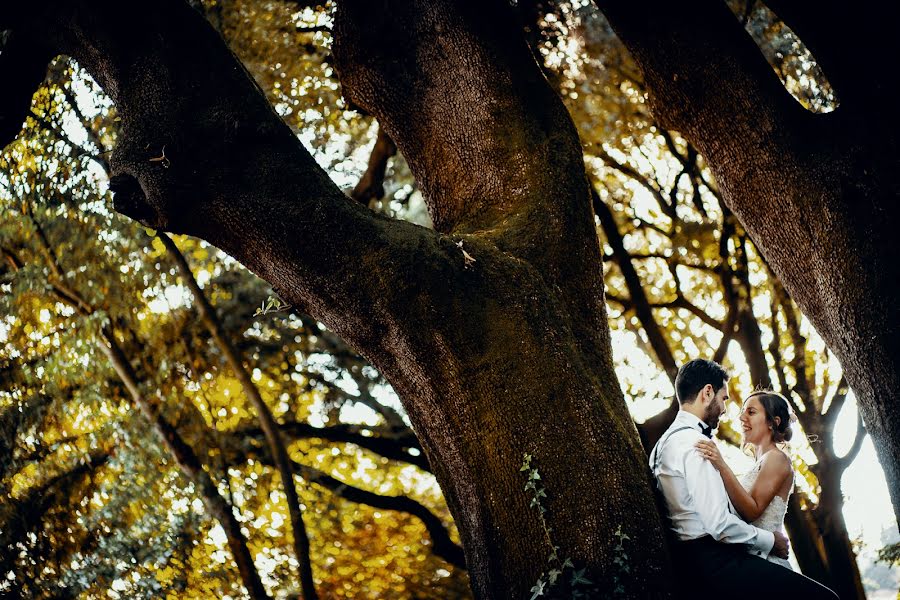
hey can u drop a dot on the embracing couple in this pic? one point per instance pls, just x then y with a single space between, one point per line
728 531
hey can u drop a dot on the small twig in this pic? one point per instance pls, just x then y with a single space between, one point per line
166 163
469 259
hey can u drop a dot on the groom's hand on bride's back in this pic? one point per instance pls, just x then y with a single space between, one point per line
780 549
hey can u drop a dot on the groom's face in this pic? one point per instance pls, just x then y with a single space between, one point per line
716 404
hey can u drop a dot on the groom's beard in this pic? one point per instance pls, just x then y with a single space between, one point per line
711 418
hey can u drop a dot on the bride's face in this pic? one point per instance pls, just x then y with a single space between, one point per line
754 423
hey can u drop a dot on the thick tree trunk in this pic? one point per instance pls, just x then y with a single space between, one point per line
840 555
806 543
829 517
817 193
492 329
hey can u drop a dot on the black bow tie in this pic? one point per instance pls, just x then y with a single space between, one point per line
706 430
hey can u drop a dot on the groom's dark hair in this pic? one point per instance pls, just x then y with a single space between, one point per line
693 377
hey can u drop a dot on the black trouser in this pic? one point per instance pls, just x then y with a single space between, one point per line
709 569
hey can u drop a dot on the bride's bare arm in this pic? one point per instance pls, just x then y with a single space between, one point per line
774 471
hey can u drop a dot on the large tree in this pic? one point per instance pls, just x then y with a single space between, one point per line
491 326
818 193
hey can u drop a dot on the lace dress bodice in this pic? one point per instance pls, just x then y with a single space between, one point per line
772 517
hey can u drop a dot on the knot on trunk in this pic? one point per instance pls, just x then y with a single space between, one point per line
130 200
156 183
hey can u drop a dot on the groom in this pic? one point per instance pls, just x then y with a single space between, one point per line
716 553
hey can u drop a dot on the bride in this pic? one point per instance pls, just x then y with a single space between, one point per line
760 497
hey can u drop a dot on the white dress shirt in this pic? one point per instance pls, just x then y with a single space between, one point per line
696 497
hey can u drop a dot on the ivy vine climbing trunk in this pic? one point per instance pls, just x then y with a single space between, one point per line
491 327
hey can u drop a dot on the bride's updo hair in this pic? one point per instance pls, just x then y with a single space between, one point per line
776 405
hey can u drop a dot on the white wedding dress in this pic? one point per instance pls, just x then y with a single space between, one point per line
772 517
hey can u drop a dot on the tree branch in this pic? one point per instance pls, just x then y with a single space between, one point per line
481 76
390 448
703 70
843 462
179 449
695 310
82 120
639 301
267 422
664 205
837 402
727 335
190 465
371 184
61 286
442 545
198 153
497 155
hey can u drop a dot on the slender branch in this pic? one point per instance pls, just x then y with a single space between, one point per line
804 385
182 453
60 285
837 402
190 465
664 205
639 301
697 312
442 545
681 302
775 349
669 139
76 151
312 29
371 184
93 136
728 330
748 332
843 462
264 415
362 436
12 258
365 397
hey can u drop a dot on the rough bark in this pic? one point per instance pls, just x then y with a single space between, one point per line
491 328
817 193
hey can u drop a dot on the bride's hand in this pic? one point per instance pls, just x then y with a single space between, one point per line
709 451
